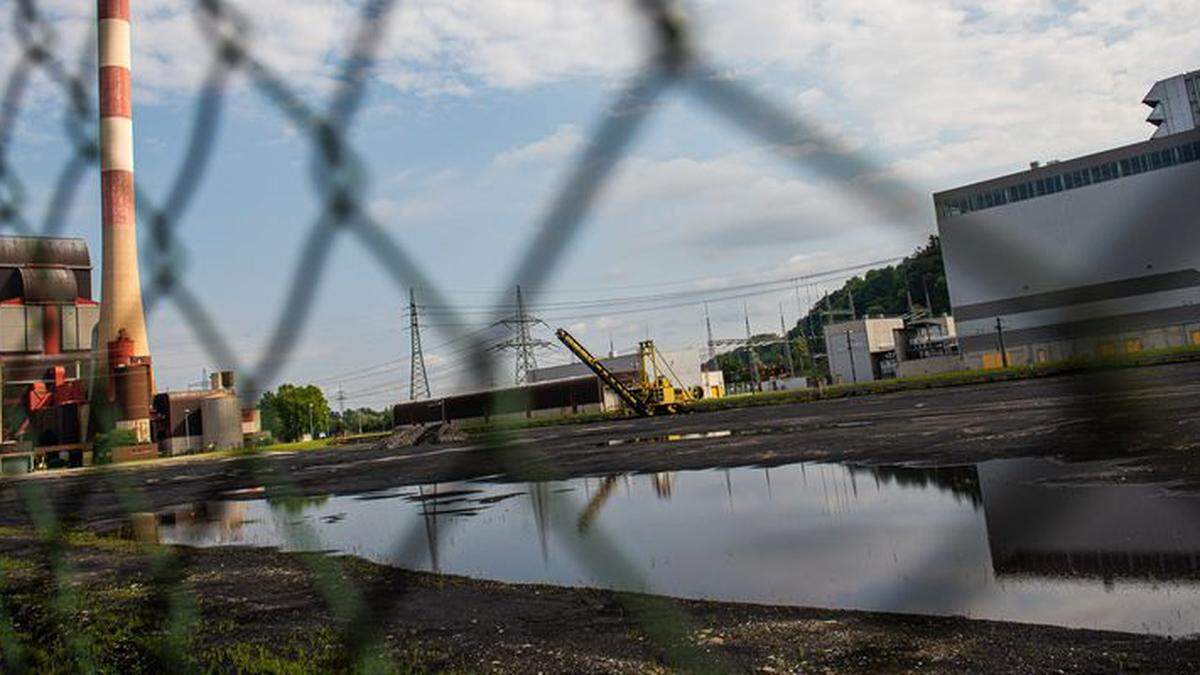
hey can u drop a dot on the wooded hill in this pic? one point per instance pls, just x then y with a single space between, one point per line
919 279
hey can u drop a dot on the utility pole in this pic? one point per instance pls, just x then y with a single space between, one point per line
757 376
850 299
418 378
787 344
928 302
712 347
850 350
312 429
799 303
341 399
1000 341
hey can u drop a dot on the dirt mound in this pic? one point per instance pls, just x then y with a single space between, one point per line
420 434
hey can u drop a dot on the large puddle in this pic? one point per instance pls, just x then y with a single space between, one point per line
1011 540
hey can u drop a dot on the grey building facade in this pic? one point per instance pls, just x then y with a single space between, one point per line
1092 256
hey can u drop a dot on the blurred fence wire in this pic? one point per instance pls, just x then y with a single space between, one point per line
337 174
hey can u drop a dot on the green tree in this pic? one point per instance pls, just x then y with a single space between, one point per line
293 410
269 416
365 420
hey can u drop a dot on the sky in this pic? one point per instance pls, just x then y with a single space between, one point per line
476 112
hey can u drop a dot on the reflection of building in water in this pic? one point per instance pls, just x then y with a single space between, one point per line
1039 528
219 521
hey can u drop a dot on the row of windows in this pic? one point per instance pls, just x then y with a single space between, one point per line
1150 161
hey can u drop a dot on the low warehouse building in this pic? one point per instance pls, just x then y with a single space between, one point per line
198 421
557 398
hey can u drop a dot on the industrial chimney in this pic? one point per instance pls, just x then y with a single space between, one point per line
121 315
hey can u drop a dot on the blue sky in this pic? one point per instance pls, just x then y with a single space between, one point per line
476 111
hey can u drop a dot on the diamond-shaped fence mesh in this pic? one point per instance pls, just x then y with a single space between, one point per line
338 175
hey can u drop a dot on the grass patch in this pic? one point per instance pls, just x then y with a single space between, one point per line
298 446
87 539
116 623
318 652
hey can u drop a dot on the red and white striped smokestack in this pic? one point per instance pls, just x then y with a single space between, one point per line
120 289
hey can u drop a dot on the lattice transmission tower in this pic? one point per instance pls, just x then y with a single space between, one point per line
750 344
523 343
418 382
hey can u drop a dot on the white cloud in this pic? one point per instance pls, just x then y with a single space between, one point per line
563 142
727 203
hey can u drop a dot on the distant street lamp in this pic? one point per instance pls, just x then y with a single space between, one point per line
187 427
312 431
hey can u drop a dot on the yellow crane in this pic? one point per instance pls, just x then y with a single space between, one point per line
655 393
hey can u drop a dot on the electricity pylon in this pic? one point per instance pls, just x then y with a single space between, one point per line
418 382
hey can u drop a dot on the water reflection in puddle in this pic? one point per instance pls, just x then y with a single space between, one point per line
997 541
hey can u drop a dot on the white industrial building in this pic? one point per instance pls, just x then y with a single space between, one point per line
1095 255
1175 104
860 350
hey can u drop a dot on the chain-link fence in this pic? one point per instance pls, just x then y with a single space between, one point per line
337 173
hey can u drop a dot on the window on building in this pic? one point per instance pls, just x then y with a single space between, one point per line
1130 166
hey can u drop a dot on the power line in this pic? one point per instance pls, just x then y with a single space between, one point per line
772 284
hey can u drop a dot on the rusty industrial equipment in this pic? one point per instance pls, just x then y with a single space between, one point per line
655 393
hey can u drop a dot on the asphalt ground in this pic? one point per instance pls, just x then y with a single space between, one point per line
1144 421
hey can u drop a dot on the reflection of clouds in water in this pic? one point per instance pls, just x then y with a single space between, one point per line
813 535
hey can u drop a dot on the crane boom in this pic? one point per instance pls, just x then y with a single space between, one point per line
630 399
